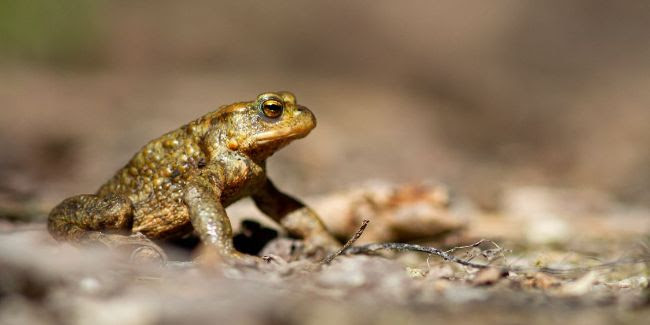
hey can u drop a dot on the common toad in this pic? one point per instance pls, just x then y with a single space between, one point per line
181 182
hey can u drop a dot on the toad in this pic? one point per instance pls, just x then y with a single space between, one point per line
181 182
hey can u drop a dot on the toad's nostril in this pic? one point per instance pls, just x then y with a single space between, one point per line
301 109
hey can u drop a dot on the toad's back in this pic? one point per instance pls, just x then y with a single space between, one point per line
155 177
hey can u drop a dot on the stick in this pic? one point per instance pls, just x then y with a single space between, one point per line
369 248
347 245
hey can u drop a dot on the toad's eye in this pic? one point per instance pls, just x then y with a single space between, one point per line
272 108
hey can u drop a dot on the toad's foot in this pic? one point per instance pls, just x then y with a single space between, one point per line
141 249
210 257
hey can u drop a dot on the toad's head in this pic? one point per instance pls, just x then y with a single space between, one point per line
259 128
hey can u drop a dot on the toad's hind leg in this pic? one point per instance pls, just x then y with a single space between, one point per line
93 219
75 217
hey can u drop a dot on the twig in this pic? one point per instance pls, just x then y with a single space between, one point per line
369 248
453 249
347 245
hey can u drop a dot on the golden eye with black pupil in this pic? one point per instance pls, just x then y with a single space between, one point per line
272 108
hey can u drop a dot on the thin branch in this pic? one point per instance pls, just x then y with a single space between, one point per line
347 245
447 256
453 249
369 248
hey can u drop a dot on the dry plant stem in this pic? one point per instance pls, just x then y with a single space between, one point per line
369 248
347 245
453 249
447 256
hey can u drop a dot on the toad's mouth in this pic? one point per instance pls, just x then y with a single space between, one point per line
282 134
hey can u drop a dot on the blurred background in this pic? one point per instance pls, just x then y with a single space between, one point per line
479 95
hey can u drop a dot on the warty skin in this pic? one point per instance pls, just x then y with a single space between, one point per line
182 181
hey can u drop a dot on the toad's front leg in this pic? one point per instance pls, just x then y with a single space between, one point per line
298 219
210 221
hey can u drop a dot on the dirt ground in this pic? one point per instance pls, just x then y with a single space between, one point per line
587 268
521 123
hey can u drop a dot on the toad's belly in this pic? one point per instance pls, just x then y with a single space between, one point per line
162 213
